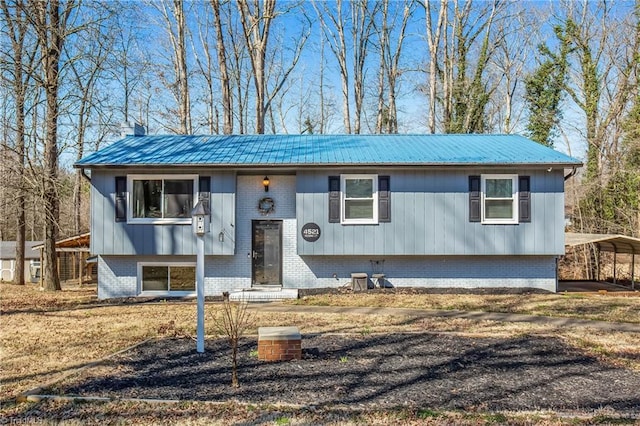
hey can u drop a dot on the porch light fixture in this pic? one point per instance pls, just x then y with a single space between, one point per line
221 236
265 183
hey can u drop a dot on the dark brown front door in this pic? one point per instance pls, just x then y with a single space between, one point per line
267 252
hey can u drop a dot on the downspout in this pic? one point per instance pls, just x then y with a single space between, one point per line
571 173
84 174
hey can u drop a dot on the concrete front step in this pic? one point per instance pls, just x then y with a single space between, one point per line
263 295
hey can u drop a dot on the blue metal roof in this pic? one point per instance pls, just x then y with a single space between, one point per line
321 150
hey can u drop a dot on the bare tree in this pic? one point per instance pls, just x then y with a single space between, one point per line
127 64
23 56
90 52
389 72
335 35
433 40
225 88
363 15
232 322
174 18
602 83
49 22
256 22
510 61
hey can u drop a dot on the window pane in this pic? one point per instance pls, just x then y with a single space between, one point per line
147 196
499 188
178 198
182 278
359 188
155 278
358 209
498 209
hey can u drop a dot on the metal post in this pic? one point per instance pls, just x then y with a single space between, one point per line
615 261
598 262
633 272
200 293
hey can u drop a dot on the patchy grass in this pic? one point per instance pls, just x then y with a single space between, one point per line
615 307
44 336
202 413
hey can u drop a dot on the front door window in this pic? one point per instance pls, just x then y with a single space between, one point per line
267 252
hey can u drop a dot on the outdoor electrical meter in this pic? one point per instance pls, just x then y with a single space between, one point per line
200 219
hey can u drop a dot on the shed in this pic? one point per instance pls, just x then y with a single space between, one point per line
73 253
8 260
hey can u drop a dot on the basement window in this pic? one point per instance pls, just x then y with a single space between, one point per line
176 279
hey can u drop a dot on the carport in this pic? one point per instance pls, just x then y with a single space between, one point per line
609 243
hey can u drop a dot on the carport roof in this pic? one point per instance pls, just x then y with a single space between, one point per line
606 242
76 243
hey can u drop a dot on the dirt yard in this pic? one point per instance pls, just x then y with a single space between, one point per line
45 336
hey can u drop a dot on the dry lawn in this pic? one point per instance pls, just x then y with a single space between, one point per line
614 307
44 336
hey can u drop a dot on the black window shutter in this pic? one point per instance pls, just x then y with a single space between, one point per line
204 191
474 199
384 199
121 198
524 198
334 199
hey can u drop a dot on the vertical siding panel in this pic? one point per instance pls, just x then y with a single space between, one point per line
97 218
418 222
109 215
430 213
429 216
310 214
438 215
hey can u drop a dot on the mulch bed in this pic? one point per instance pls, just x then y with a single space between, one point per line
438 371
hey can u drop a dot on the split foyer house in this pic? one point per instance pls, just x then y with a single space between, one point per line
305 211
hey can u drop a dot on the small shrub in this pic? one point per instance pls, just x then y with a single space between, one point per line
496 418
233 321
343 359
282 421
426 413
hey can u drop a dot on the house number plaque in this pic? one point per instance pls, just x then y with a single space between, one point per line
311 232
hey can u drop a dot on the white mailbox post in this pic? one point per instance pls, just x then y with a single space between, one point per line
200 221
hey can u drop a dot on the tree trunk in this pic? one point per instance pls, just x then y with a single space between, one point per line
51 32
181 70
256 25
225 89
338 46
17 30
433 40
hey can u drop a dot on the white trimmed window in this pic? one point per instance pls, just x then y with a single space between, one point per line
359 198
161 198
499 199
178 279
